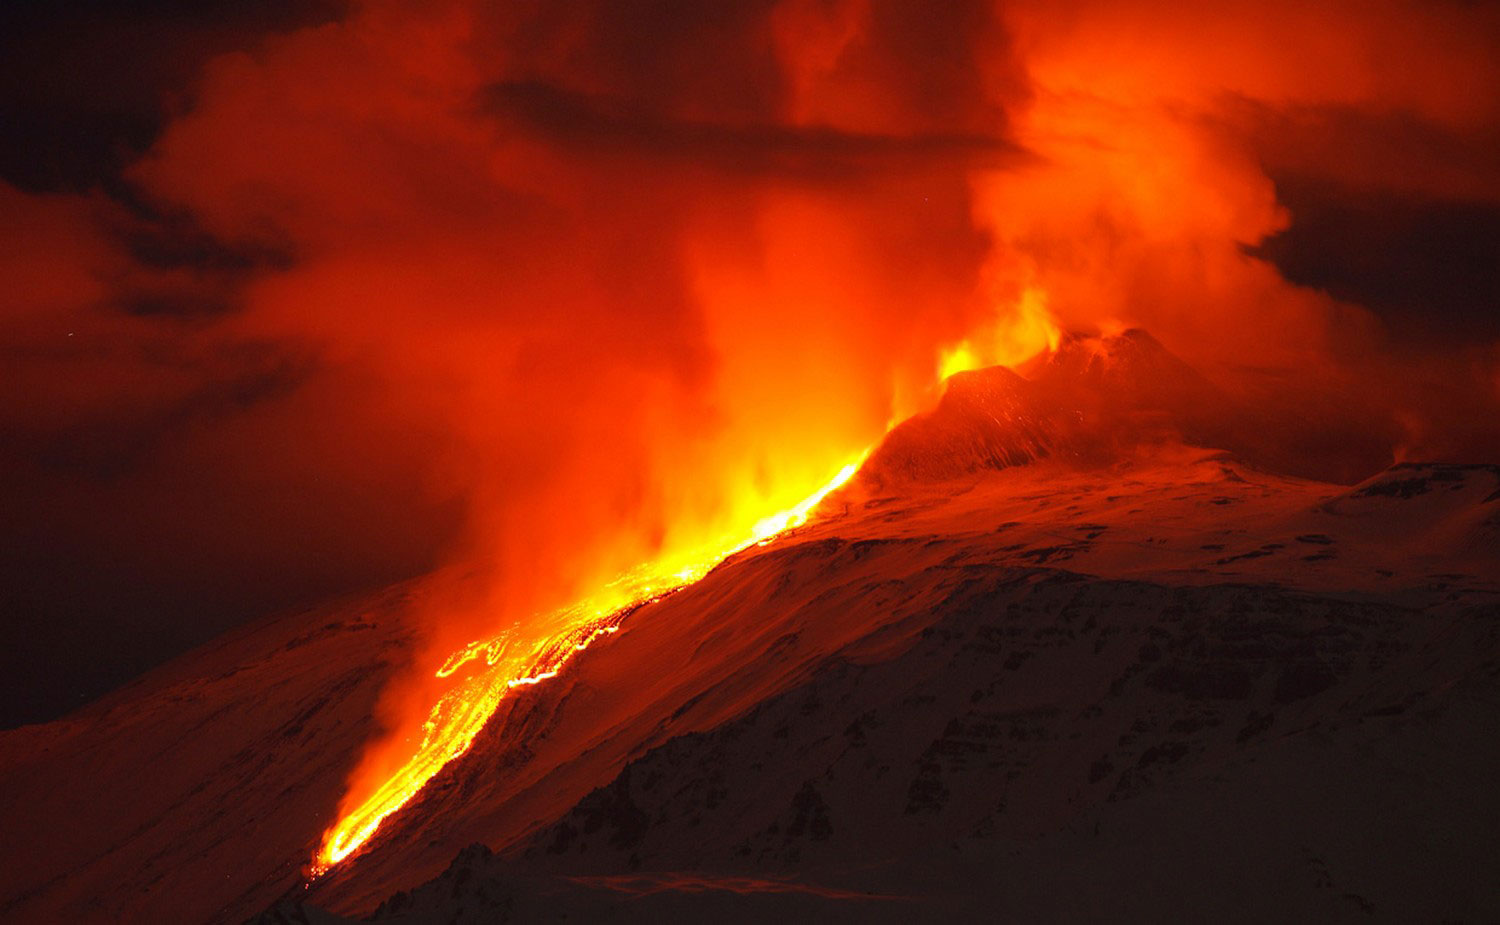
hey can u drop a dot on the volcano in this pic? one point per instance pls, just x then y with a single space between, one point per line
1076 643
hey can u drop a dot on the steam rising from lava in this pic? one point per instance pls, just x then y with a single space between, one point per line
628 278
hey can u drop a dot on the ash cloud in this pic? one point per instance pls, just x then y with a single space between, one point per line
550 288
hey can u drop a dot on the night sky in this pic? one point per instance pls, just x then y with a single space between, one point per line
216 217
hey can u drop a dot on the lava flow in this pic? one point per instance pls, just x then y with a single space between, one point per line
481 672
462 712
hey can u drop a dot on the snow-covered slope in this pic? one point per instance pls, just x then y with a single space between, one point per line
1128 676
970 703
197 788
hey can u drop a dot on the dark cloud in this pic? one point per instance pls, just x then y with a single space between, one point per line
673 57
1384 151
86 87
612 127
1430 268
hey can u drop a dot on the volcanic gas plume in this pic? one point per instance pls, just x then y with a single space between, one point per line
558 307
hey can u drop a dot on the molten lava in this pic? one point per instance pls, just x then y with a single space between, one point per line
482 671
462 712
1010 339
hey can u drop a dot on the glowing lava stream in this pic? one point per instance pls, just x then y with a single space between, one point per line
462 712
1025 330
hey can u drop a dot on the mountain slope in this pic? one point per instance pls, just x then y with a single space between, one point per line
1034 653
1041 657
197 787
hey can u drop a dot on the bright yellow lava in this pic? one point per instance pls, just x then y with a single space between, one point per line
1014 336
462 712
501 662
